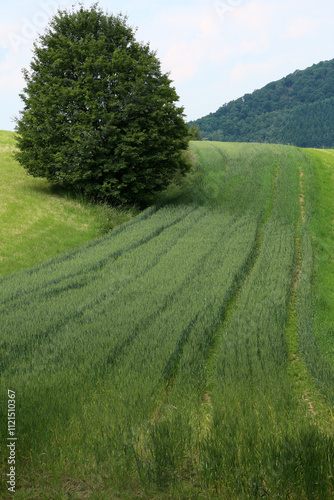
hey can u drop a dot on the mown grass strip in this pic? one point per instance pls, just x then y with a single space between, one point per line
305 386
315 279
320 188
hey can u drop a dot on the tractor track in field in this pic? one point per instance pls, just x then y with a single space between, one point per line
294 355
103 296
301 194
204 412
96 266
174 361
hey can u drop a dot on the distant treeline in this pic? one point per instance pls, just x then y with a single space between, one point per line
297 110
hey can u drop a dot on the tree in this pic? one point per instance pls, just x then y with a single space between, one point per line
99 115
195 133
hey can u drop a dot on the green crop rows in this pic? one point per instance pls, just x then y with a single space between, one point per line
155 359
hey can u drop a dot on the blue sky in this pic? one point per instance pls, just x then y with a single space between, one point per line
215 50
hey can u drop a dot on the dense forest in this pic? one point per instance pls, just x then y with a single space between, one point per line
296 110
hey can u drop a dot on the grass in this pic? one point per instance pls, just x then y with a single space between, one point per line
314 304
322 230
175 356
39 221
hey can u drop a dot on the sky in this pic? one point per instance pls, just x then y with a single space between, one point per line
214 50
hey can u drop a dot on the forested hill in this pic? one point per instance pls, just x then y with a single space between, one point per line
297 110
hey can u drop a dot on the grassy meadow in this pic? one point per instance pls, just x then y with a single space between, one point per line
38 221
188 353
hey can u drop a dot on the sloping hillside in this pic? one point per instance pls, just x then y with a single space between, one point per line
188 353
39 221
297 110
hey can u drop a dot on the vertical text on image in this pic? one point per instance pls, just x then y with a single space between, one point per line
11 445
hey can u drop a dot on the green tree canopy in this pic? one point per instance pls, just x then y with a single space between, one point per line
195 133
99 115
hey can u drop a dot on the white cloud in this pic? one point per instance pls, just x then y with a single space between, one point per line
16 37
182 60
253 15
216 50
301 27
12 80
209 38
197 38
252 71
254 25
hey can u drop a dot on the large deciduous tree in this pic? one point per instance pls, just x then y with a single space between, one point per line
99 115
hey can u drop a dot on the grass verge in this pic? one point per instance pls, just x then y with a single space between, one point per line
321 188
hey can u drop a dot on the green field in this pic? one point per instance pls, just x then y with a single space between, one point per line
39 221
189 352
